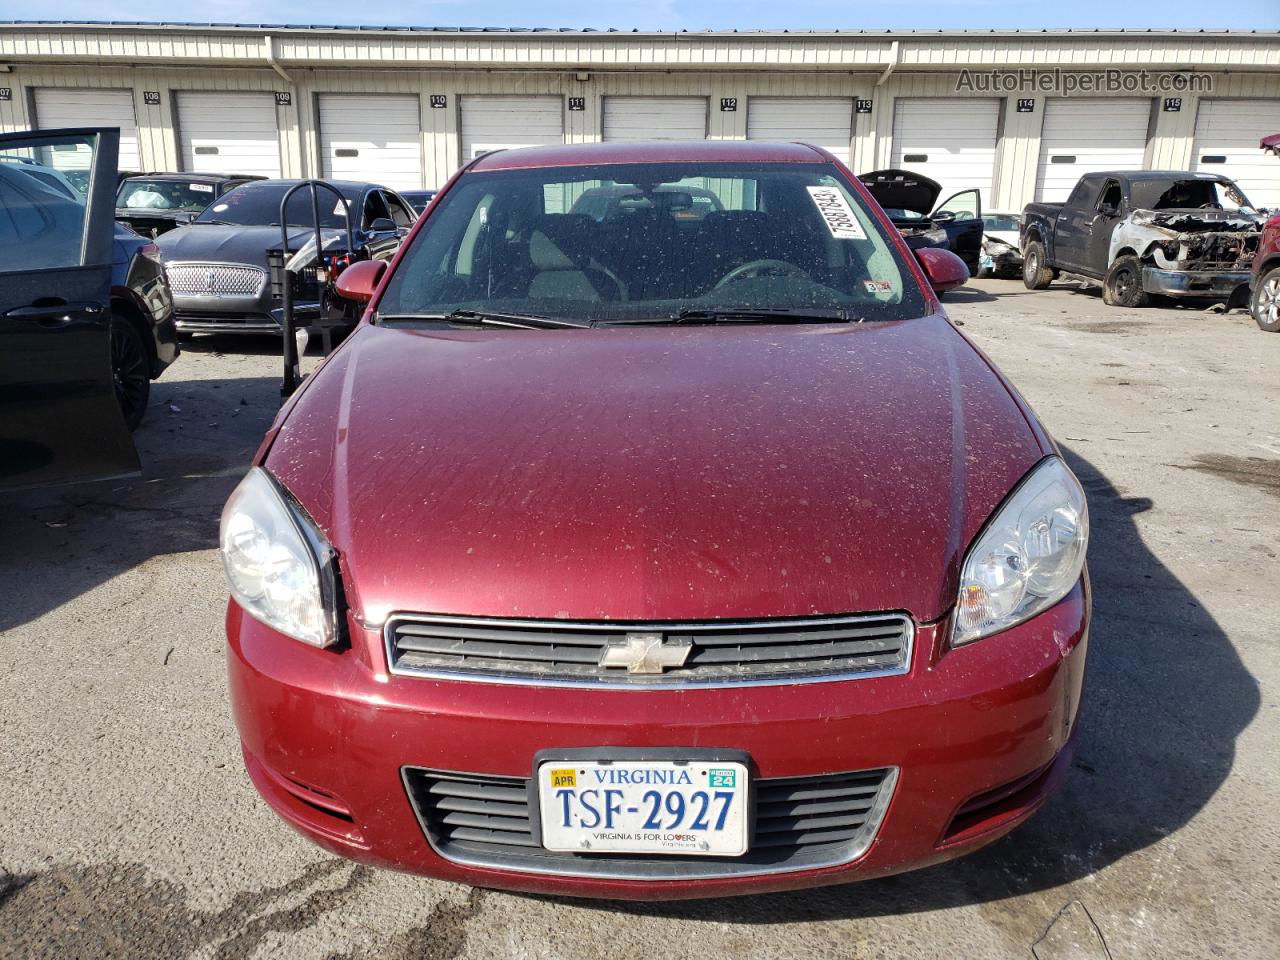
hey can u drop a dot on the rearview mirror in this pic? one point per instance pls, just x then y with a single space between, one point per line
358 282
944 269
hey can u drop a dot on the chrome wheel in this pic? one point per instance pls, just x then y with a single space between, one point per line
1269 302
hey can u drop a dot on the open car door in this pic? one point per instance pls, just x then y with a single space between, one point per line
960 215
60 420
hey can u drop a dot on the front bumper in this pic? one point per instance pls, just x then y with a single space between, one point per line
1193 283
327 736
1007 260
199 315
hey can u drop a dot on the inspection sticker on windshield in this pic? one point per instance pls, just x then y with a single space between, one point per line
200 187
836 213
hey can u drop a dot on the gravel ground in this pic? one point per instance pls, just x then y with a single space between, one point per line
130 830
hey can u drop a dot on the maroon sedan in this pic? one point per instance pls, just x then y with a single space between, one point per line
655 555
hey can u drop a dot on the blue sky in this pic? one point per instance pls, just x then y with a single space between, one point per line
681 14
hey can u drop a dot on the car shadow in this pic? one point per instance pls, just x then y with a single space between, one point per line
196 441
1166 695
966 294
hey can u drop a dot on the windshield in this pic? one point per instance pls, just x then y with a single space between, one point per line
190 197
1190 194
258 204
1001 221
646 241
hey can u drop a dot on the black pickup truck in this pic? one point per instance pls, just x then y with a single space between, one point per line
1139 233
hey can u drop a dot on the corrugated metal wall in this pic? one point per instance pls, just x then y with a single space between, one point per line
736 67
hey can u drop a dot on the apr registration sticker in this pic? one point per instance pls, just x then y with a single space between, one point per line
836 213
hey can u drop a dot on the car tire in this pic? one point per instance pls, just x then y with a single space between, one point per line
1265 302
1122 286
985 273
130 371
1036 272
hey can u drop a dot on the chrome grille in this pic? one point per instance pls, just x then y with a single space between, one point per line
718 653
801 823
215 279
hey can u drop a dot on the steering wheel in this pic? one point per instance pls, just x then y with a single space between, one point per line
760 268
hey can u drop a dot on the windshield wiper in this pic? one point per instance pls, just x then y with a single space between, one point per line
220 223
487 318
702 315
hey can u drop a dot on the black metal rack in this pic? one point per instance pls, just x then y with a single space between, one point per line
284 285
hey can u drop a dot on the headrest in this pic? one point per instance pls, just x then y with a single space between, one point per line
560 241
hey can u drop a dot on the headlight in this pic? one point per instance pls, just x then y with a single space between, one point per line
1027 558
279 566
936 235
997 248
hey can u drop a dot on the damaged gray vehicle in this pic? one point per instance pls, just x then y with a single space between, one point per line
1146 233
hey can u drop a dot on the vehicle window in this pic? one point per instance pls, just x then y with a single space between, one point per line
965 205
630 242
1083 194
375 208
399 212
1111 198
258 204
1191 194
42 216
1001 221
190 197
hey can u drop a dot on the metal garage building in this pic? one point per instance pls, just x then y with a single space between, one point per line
407 106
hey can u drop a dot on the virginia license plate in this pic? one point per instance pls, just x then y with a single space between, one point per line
644 806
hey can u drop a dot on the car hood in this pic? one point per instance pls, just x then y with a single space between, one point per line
654 473
1011 237
218 243
903 190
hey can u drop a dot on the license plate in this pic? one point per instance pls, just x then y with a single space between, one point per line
644 806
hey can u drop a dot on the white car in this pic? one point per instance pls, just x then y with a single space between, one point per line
1001 249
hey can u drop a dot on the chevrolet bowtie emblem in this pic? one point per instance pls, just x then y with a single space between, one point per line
646 652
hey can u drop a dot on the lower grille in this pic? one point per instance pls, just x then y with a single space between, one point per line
705 654
215 279
801 823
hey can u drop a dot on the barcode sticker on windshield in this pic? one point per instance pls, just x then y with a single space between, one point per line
836 213
200 187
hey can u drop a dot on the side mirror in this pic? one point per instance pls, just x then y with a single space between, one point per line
943 216
944 269
358 281
383 225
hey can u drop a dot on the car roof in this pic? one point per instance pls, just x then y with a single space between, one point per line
1153 175
213 177
649 151
340 184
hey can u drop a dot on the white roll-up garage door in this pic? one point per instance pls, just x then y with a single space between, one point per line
500 123
373 138
655 118
950 139
822 121
68 107
1089 135
228 133
1227 135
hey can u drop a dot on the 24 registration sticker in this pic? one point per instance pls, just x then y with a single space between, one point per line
836 213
